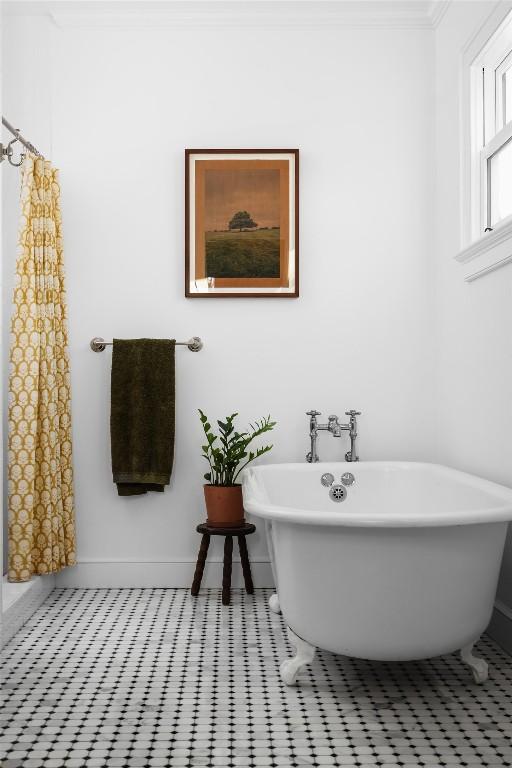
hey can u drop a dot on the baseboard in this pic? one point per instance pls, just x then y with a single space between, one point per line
20 601
97 574
500 628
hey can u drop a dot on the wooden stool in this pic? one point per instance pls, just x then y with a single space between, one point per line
240 532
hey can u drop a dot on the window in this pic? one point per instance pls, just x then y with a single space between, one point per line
492 129
486 144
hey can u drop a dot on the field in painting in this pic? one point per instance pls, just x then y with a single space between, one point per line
251 253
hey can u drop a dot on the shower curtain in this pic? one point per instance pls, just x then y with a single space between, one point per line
41 505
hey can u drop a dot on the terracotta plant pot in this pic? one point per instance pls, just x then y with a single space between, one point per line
224 505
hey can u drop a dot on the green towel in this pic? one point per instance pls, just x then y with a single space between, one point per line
142 414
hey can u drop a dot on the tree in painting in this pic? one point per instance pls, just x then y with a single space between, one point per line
242 220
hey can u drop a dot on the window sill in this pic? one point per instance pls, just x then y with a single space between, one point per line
489 252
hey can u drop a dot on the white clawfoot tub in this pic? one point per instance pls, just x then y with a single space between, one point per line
405 567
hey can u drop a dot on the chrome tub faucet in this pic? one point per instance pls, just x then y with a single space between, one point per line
335 428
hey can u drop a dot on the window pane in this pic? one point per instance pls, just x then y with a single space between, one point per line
500 180
507 95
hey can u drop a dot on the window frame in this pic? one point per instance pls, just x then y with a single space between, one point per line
491 134
485 54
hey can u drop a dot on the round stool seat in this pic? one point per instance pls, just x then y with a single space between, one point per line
241 530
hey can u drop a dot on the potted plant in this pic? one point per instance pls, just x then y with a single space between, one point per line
227 454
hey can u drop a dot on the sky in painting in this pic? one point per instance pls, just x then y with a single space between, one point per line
228 191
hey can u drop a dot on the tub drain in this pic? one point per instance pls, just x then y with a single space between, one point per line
338 492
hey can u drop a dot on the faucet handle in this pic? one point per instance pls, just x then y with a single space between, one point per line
352 413
313 413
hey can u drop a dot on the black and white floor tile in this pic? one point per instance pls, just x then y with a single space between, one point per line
153 677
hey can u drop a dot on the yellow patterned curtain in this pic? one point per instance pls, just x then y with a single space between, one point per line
41 505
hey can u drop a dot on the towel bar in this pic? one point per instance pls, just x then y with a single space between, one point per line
194 344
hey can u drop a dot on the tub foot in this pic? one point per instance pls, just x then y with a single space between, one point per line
479 667
273 603
304 654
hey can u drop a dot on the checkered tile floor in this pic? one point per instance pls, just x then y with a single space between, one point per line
152 677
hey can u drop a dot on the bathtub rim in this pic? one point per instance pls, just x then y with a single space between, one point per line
498 513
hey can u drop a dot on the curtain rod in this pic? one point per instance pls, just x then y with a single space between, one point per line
7 151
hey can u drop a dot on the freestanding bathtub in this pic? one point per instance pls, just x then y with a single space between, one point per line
405 566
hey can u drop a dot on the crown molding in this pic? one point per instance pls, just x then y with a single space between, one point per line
437 11
273 14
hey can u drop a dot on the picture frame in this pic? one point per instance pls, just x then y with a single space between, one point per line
241 223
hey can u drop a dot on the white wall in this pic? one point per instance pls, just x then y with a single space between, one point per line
474 384
124 104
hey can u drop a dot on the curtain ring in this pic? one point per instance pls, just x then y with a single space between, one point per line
9 154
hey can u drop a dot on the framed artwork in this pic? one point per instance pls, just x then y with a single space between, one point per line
241 222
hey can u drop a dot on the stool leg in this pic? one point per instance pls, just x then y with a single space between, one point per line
201 560
246 566
226 575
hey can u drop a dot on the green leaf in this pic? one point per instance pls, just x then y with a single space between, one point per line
227 452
